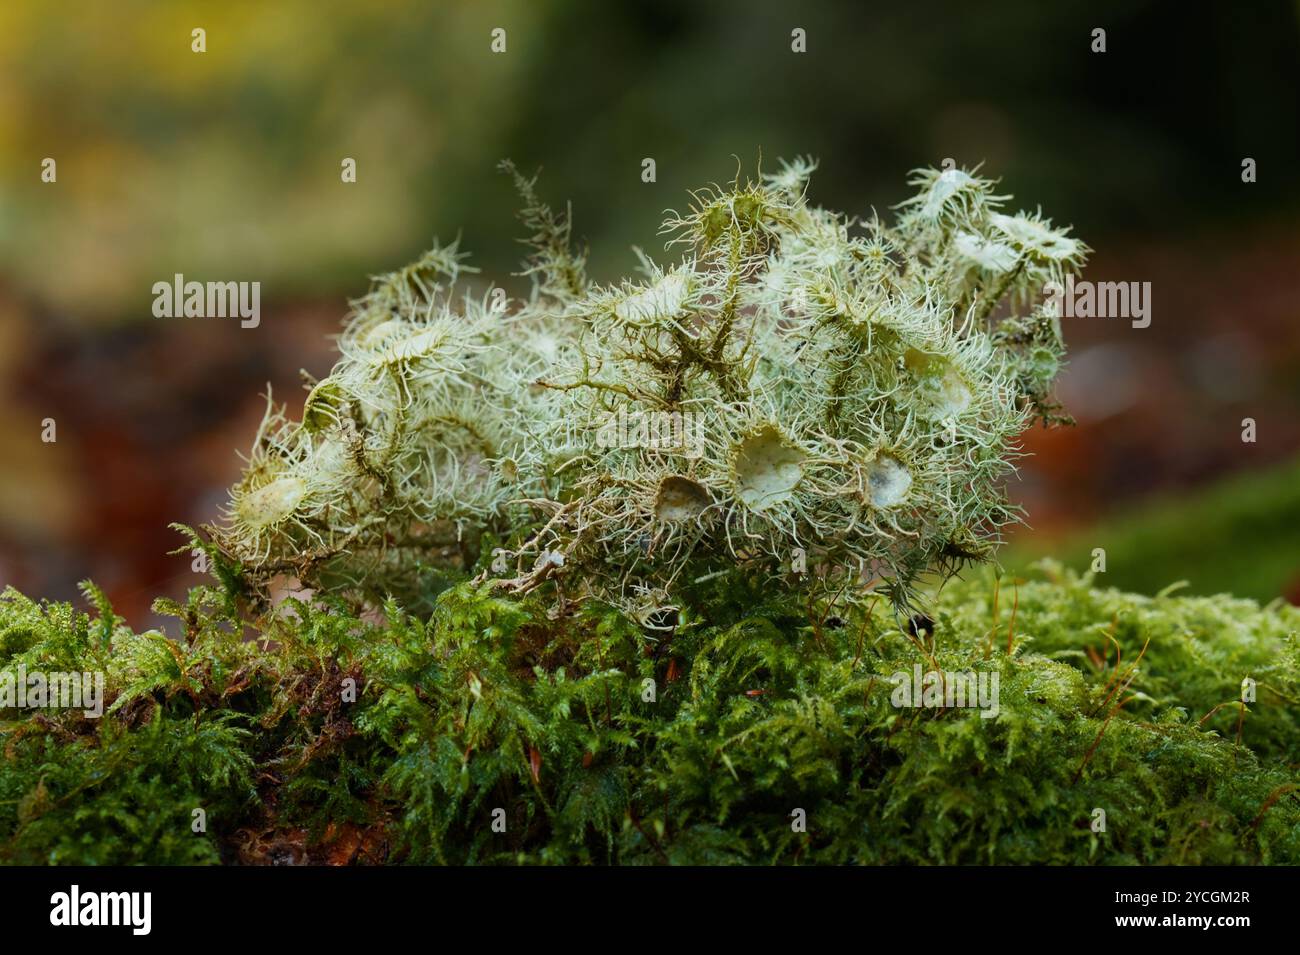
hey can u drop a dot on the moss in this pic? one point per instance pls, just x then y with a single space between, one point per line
602 742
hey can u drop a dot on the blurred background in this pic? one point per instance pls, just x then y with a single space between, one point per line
226 165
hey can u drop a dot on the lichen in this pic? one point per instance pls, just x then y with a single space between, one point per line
810 353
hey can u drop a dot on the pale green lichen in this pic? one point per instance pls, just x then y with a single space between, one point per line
856 390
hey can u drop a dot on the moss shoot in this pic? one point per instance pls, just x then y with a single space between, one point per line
492 731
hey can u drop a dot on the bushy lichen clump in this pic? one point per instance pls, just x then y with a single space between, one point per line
600 743
852 393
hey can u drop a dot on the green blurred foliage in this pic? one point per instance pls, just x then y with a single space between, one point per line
1240 536
227 163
